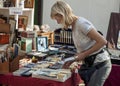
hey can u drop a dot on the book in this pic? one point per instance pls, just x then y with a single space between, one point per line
38 54
67 60
60 75
20 71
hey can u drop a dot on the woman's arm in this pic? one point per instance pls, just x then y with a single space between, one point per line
100 42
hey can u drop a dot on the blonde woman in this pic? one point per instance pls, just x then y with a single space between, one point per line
87 40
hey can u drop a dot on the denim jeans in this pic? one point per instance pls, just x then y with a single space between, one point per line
100 75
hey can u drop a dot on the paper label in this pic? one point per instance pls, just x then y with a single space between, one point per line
15 11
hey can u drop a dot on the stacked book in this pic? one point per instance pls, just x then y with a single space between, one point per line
22 72
28 34
60 75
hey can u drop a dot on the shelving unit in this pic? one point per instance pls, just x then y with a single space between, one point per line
12 65
26 12
63 37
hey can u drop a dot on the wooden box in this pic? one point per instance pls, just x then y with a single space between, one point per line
9 66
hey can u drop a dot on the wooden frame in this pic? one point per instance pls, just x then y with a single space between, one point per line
29 3
41 43
23 22
13 2
12 23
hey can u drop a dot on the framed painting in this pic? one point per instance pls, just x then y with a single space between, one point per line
13 2
22 22
12 23
41 43
29 3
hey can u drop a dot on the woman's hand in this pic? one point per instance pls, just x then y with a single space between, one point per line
67 64
80 56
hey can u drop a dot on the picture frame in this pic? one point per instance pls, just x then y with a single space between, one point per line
22 22
12 23
29 3
26 44
13 2
41 43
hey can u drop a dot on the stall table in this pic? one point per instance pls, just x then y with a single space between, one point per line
114 77
9 79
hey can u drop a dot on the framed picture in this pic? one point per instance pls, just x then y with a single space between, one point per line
29 3
22 22
41 43
13 2
12 23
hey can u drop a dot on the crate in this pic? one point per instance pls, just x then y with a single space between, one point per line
9 66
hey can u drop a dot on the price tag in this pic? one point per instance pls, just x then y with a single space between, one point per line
15 10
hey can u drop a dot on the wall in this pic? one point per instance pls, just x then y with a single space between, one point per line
97 11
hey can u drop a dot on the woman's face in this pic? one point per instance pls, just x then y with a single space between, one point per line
58 18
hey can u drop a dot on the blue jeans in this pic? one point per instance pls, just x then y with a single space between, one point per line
99 76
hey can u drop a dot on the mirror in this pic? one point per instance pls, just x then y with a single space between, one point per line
118 42
113 34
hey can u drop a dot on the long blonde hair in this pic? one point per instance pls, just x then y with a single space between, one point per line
64 9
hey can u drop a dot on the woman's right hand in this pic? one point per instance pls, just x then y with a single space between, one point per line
80 57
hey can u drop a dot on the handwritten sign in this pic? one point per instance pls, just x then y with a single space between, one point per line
15 11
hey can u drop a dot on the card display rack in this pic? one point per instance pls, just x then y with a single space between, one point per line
9 66
63 37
